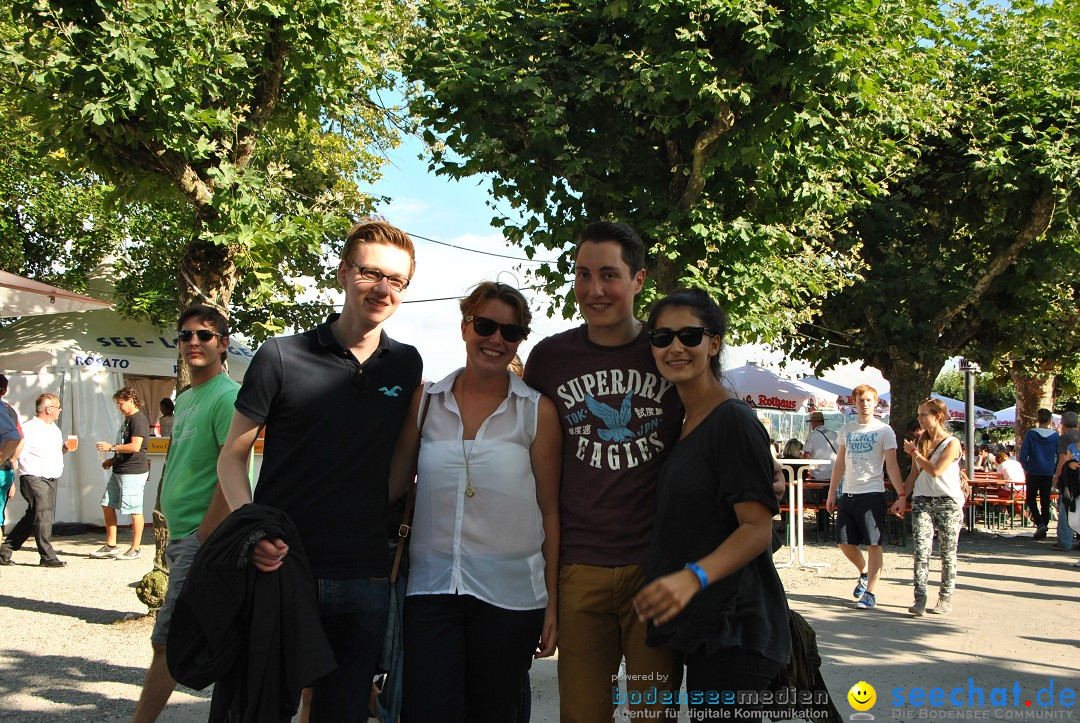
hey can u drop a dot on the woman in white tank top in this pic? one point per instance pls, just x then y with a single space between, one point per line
937 502
483 556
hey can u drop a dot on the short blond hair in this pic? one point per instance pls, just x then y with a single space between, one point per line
374 230
863 389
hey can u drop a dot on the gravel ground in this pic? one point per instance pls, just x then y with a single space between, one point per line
76 639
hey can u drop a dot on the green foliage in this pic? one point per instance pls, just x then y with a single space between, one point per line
261 116
989 392
977 231
734 137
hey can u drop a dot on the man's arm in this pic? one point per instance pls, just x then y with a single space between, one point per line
892 467
236 487
233 460
837 475
403 463
546 456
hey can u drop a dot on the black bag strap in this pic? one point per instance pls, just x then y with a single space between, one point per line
410 502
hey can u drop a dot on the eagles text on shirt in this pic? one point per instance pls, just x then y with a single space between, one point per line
614 405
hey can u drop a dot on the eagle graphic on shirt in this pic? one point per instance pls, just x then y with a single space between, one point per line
617 422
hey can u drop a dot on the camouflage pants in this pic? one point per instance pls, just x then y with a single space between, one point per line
945 516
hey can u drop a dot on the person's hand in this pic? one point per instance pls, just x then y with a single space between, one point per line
549 635
11 492
103 447
665 597
899 507
107 464
267 555
830 504
909 446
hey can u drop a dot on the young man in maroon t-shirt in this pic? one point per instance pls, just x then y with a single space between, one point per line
619 418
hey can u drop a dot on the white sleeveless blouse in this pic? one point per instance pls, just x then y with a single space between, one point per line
487 545
947 484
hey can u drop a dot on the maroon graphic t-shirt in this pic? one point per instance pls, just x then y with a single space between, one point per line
620 419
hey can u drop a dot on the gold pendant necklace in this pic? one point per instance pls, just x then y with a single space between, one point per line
469 491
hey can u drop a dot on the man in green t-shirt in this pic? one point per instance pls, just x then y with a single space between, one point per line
190 498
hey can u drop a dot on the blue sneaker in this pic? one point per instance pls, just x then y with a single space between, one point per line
867 601
860 587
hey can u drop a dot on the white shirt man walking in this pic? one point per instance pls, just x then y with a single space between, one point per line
864 445
41 463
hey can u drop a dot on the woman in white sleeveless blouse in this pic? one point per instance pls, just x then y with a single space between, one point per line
483 556
937 502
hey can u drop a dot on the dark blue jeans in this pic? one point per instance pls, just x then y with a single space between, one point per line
353 614
465 659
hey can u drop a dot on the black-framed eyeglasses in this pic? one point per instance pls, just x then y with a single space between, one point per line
486 327
370 273
688 336
203 334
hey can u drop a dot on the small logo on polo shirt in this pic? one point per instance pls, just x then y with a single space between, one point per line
391 392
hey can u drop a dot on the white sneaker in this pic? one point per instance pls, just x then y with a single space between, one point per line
131 554
105 552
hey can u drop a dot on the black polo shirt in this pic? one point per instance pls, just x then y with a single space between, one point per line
331 424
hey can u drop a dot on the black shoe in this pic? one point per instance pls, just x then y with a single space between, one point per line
1040 533
54 562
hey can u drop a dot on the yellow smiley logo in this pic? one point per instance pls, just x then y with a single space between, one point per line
862 696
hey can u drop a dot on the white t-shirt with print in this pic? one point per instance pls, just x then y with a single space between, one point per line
864 449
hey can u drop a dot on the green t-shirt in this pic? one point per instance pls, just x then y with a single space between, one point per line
202 418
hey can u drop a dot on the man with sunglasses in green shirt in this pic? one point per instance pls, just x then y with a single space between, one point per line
190 499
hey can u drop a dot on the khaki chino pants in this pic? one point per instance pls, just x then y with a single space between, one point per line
597 628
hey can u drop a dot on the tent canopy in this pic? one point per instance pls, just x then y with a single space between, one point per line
1007 418
24 297
769 390
98 340
955 409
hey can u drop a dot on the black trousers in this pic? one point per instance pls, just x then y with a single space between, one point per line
465 658
40 496
1038 496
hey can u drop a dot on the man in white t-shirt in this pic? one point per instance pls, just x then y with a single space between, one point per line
820 444
41 462
864 446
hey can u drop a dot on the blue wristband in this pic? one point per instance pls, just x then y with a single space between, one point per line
701 576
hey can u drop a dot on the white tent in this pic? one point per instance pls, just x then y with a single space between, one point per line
956 410
84 358
1007 418
24 297
769 390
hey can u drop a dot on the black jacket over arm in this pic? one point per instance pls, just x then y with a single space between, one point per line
256 635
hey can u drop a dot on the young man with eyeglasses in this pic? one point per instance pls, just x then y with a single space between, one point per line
41 462
331 401
191 500
620 418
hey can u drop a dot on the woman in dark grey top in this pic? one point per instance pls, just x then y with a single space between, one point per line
713 592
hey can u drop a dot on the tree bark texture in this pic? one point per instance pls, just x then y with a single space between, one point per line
1034 389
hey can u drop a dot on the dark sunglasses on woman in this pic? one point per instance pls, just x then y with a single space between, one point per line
486 327
203 334
688 336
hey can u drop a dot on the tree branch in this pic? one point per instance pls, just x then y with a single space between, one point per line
264 97
724 122
1042 211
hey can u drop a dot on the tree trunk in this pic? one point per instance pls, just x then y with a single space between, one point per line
1033 390
206 275
911 379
